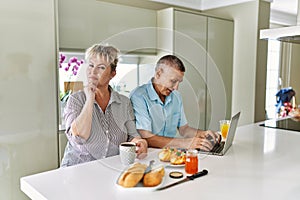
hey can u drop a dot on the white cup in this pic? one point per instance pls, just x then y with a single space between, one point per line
127 152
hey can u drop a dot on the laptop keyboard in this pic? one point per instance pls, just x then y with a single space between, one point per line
218 147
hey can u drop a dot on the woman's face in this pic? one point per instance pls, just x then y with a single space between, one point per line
99 71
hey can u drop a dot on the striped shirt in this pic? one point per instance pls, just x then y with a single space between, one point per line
108 130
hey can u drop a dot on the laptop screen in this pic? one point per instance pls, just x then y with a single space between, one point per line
231 131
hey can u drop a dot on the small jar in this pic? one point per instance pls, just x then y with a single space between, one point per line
191 162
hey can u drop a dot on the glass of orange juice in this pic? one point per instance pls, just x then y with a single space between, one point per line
224 127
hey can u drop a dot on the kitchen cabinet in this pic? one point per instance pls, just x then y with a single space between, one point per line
83 23
205 45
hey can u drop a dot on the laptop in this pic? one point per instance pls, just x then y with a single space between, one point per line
221 148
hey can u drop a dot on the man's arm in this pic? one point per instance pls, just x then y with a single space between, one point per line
161 141
187 131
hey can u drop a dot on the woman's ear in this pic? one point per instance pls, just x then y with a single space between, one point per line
113 73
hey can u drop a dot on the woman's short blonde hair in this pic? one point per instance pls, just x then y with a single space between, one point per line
109 53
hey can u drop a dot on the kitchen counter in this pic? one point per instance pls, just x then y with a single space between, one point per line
262 163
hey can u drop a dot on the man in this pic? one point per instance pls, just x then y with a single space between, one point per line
159 110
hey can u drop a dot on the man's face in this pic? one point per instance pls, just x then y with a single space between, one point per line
167 79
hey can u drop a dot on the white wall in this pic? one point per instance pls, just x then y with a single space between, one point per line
28 99
245 17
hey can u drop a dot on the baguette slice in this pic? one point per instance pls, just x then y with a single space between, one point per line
154 177
132 176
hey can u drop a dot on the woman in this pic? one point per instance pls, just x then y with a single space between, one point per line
98 119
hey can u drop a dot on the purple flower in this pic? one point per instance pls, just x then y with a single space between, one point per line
73 59
73 62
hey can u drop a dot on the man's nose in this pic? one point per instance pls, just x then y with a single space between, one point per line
176 86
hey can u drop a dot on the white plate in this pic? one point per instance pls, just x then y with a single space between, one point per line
140 187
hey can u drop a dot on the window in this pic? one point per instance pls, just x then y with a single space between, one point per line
272 84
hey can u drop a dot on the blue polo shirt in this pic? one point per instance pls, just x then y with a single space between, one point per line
155 116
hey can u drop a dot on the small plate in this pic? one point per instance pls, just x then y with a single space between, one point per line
172 165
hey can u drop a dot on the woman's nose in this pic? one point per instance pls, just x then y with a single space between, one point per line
95 71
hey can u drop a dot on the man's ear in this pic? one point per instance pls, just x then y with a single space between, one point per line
158 72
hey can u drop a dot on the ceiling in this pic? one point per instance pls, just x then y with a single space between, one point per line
283 12
285 6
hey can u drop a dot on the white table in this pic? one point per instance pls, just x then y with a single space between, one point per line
262 163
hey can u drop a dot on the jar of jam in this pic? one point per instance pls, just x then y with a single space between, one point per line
191 162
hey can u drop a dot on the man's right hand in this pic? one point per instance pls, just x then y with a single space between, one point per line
200 143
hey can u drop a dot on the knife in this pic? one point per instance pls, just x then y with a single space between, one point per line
188 178
149 168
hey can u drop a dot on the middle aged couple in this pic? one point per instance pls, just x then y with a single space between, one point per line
98 119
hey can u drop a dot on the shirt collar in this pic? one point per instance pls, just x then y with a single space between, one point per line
114 96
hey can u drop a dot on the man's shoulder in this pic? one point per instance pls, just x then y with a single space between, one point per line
176 94
139 91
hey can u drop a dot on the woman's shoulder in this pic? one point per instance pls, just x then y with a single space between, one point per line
120 97
79 95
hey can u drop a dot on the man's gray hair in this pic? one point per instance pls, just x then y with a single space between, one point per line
171 61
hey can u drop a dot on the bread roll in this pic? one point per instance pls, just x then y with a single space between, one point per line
166 153
178 158
132 176
154 177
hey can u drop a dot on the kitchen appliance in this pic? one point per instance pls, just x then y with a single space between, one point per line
286 123
289 34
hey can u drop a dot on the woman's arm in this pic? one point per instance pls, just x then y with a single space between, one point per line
82 125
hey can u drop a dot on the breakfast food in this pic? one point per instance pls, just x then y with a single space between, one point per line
165 154
178 158
173 155
154 177
176 174
136 173
132 176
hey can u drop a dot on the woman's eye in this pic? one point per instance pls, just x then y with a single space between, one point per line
102 67
90 65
